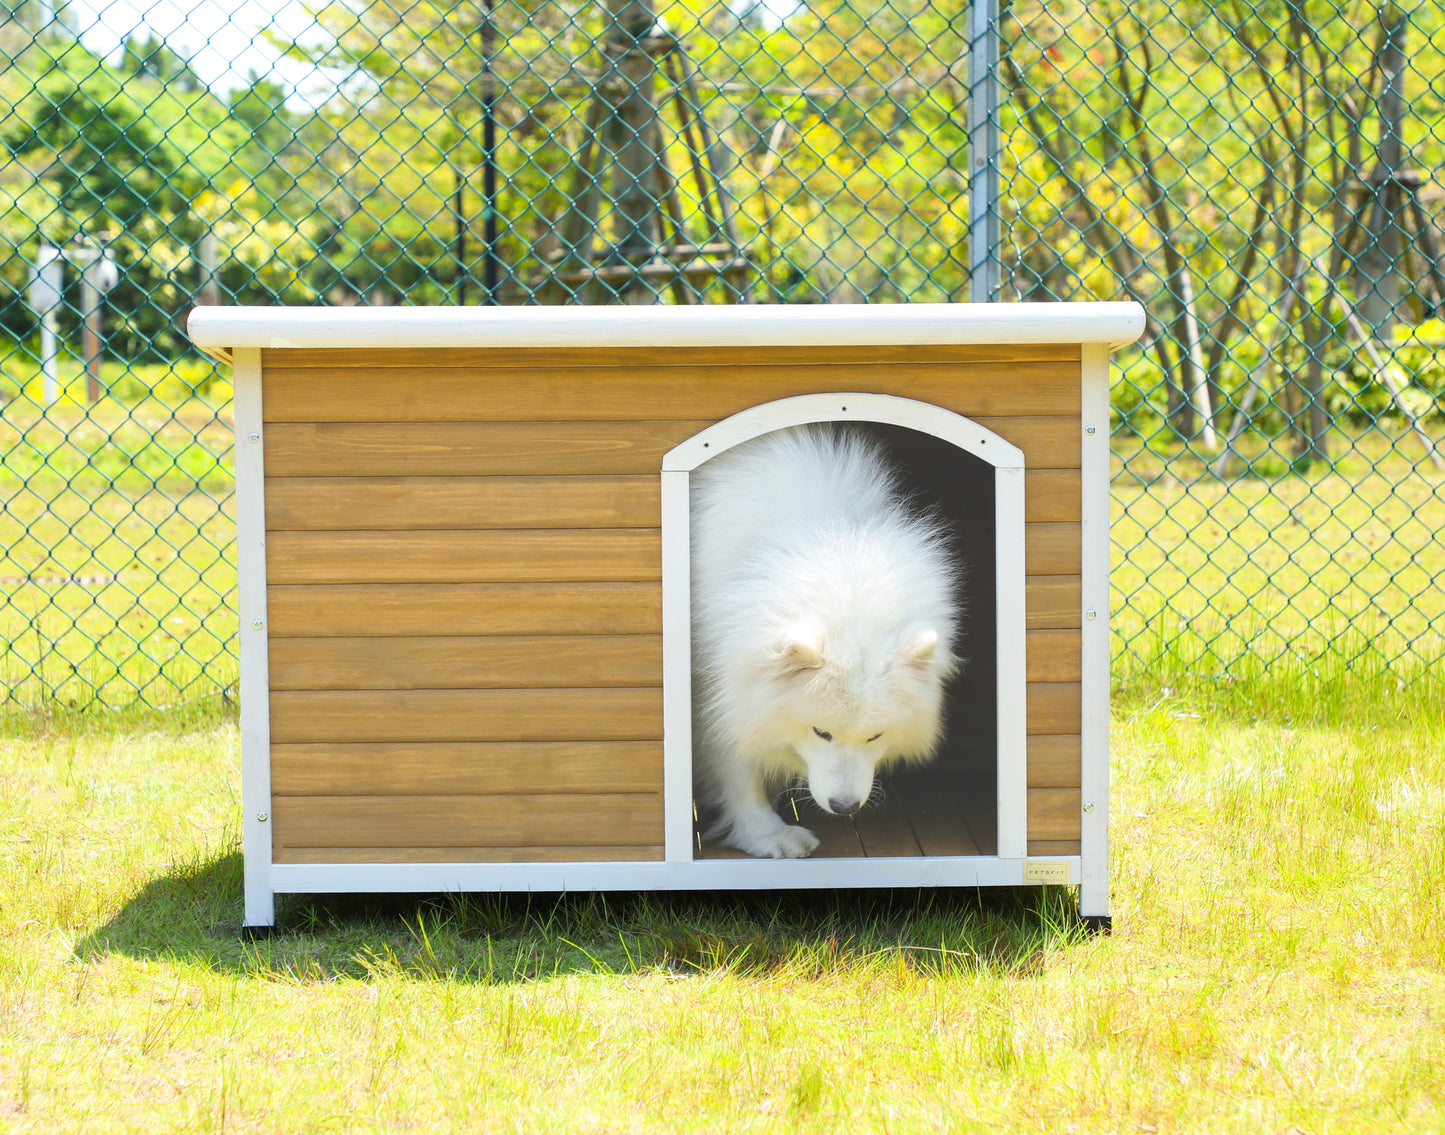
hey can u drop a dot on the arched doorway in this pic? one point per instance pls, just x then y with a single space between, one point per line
972 478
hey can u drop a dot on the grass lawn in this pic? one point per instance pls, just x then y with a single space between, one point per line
1278 962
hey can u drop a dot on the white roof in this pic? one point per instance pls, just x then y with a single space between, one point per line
220 329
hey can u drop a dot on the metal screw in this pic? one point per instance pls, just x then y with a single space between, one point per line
1091 430
1088 805
1091 614
264 816
256 624
255 438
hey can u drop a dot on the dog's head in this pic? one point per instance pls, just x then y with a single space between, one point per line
855 705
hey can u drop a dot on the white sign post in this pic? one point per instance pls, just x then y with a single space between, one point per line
98 274
46 284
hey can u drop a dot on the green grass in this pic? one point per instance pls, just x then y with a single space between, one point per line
1278 961
1217 580
117 575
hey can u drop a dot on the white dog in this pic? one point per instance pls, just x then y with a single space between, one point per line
823 622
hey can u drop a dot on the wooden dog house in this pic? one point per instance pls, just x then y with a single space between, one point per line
464 574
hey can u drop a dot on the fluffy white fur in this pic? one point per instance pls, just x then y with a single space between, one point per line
823 626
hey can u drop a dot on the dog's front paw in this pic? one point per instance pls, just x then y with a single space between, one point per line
778 840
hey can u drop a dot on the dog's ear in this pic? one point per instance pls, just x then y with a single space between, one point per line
798 648
920 647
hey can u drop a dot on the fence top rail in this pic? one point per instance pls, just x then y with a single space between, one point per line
221 329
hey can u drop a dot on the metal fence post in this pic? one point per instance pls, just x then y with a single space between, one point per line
983 228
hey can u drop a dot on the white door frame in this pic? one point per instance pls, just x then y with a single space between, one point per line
1008 464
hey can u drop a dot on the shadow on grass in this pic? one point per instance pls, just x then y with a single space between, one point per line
193 915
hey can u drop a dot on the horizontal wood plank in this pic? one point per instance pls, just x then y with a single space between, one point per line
619 854
472 449
1053 548
510 449
1054 813
408 503
1049 847
1052 495
519 821
1053 656
1053 707
1047 442
465 662
545 555
368 610
400 768
1055 761
1053 602
627 393
398 358
466 715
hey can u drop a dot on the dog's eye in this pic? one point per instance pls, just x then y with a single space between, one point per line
873 738
820 733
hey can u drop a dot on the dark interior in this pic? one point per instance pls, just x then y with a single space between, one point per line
960 488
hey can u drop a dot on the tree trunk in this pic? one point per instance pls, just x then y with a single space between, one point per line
633 139
1383 212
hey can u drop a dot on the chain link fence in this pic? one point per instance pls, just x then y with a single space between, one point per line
1263 176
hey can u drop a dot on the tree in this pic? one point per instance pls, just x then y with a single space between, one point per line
152 58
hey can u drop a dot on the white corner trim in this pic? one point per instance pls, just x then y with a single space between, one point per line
1094 636
742 325
845 406
256 842
1011 664
677 802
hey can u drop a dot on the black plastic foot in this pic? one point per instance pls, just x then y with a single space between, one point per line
1099 923
257 933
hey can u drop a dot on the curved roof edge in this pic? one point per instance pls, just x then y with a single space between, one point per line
763 325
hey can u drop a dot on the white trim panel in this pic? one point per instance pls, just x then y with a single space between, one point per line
1094 646
749 325
702 874
1011 669
845 406
677 815
255 670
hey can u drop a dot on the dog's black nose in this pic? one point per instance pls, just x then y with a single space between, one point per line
843 807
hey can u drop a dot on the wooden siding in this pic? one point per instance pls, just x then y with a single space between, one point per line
473 821
625 392
401 504
388 610
461 715
406 768
464 587
563 555
481 662
523 449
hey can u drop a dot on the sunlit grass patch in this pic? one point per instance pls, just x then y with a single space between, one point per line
1277 887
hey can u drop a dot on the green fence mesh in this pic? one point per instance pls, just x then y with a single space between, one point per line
1262 176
